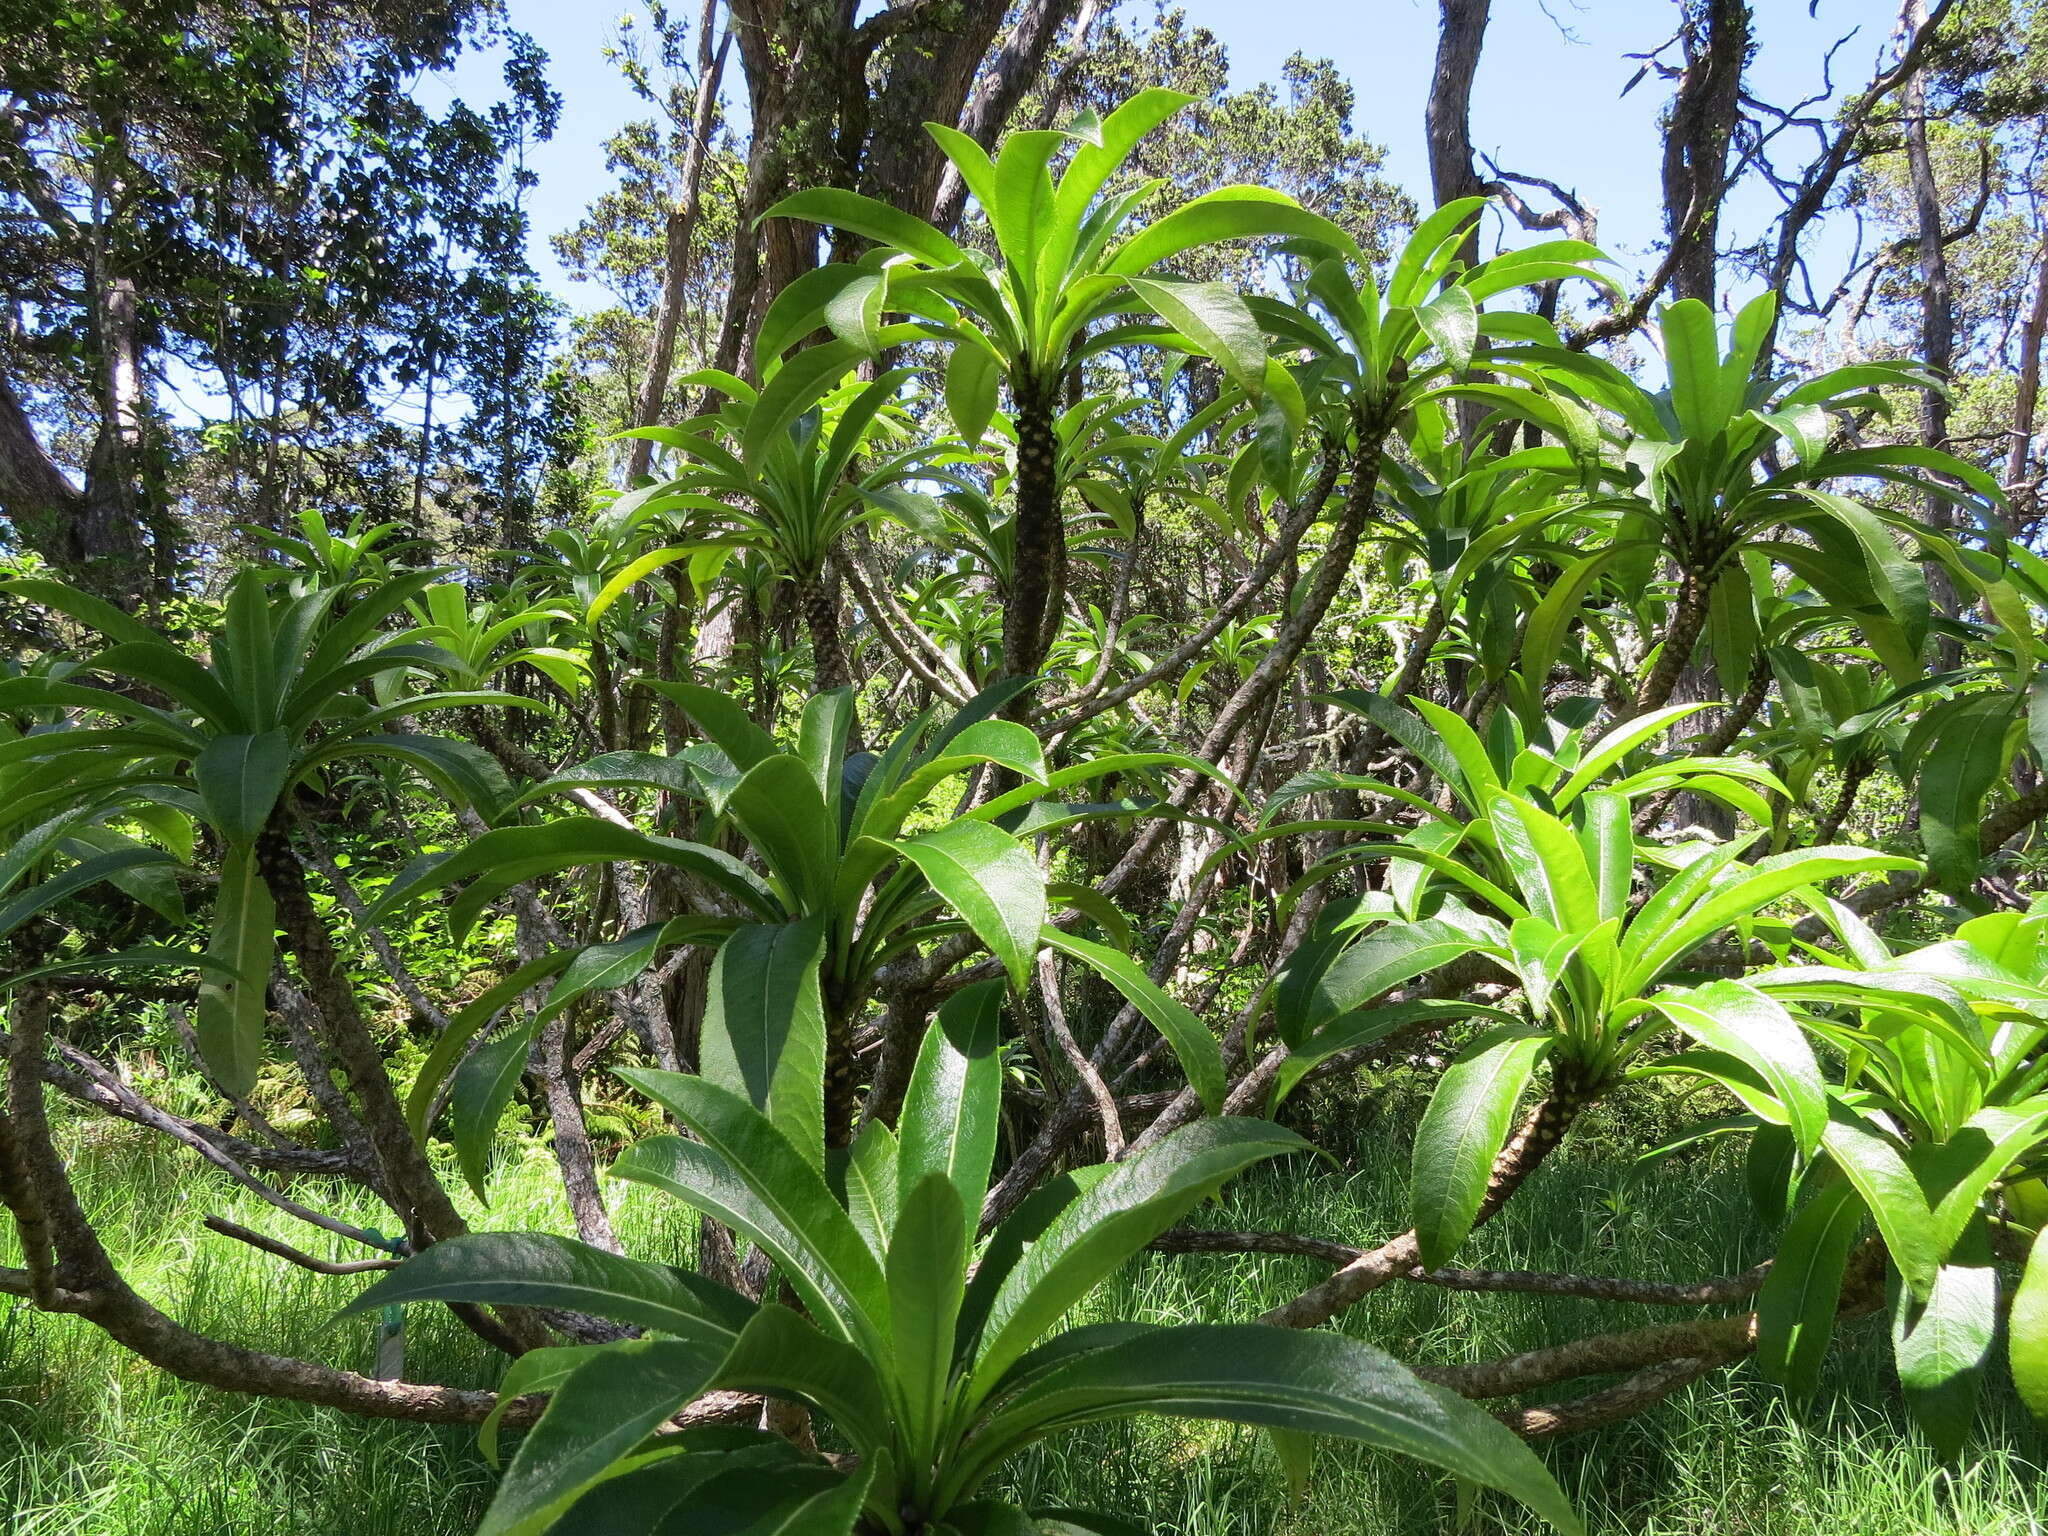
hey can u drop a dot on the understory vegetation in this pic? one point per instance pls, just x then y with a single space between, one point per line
1147 848
95 1445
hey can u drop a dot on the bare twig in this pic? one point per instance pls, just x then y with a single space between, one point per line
293 1255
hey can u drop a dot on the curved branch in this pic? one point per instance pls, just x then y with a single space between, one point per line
1285 538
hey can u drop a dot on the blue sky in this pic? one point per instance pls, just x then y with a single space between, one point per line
1547 100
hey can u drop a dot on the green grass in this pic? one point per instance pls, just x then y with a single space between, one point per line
95 1443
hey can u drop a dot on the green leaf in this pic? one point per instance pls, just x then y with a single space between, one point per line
764 1027
48 893
927 1274
538 1370
1451 322
854 313
782 1355
453 1043
1617 744
504 858
972 374
723 721
746 1173
795 1501
1758 1031
141 958
1958 1172
1201 1058
1609 843
621 770
1891 1194
1548 865
240 779
1476 773
484 1085
1215 318
538 1269
822 734
1406 727
599 1413
1312 991
870 1184
876 221
992 881
778 806
953 1106
1957 770
1941 1351
1768 1170
1563 605
1462 1133
1795 1309
95 613
1362 1028
654 1492
230 1015
470 775
1096 1234
608 966
1658 937
1228 213
1310 1383
1692 352
794 388
2027 1336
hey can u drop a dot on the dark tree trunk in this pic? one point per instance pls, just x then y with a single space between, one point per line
828 646
1715 35
1041 536
428 1214
2027 400
835 103
1937 317
1447 119
92 536
1688 619
681 228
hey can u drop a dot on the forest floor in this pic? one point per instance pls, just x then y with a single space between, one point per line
95 1443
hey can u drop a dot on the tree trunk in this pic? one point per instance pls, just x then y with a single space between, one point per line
821 618
428 1214
1041 536
1447 116
1715 35
1688 618
2027 398
682 228
1937 318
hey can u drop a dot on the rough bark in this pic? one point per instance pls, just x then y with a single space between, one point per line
91 535
1688 619
428 1213
573 1152
2027 393
1041 537
1447 115
1715 37
678 235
